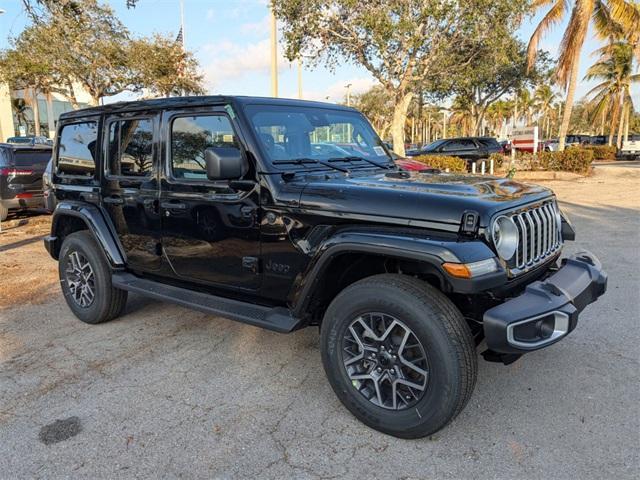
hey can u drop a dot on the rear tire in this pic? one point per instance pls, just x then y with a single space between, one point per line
444 339
85 278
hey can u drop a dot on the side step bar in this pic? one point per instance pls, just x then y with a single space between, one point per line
278 319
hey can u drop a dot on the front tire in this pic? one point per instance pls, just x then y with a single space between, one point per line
85 278
374 336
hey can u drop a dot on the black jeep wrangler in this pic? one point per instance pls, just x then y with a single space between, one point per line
284 214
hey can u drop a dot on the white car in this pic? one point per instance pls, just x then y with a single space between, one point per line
630 149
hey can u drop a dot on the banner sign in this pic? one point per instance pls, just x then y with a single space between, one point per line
525 138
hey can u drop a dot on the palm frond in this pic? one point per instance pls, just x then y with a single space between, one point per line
573 38
552 17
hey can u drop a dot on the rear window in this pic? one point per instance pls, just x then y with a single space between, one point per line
37 159
77 148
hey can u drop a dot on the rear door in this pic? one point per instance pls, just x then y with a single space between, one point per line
130 186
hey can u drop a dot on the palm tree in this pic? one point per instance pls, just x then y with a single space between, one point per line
614 71
608 16
543 100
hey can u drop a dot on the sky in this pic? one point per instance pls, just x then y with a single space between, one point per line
230 38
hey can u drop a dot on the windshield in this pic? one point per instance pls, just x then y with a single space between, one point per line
317 135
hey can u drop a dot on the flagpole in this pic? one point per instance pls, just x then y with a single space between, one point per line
184 36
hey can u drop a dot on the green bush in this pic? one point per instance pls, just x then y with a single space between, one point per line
602 152
454 164
573 159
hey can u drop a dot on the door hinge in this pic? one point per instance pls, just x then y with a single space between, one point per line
251 264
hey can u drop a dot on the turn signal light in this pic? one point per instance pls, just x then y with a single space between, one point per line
470 270
459 270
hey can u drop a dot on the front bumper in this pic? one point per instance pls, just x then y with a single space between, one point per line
547 310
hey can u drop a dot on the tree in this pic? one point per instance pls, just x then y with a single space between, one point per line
543 98
377 105
161 65
402 43
498 69
614 71
608 16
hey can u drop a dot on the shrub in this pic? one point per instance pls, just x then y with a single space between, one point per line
576 160
602 152
573 159
454 164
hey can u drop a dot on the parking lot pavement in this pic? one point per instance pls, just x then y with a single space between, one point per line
169 392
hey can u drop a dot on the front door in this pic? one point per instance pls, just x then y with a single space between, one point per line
210 229
130 192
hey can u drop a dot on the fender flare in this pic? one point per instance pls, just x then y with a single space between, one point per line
99 226
430 251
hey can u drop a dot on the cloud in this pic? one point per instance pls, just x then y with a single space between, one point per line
231 61
211 14
337 91
261 27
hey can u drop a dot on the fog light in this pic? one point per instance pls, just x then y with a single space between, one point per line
538 331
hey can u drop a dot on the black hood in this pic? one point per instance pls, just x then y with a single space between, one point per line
425 197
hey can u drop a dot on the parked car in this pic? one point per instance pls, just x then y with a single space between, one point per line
30 141
471 149
21 169
405 273
411 165
630 149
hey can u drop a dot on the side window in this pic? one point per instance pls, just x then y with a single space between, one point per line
77 149
191 136
450 146
131 147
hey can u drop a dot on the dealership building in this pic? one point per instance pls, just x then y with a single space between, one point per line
17 117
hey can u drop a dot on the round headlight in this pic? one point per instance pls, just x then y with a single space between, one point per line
505 237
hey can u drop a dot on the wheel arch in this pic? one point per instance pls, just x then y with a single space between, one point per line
71 216
340 264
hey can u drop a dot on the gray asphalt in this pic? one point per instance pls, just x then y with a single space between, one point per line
167 392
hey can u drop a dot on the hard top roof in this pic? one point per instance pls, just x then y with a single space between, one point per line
197 101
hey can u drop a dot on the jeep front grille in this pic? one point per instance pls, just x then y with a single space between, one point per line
539 235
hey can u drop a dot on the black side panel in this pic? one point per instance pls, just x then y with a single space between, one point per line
96 223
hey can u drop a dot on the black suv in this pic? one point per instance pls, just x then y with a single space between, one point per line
471 149
226 205
21 169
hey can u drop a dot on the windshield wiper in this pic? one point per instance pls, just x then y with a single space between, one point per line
356 158
303 161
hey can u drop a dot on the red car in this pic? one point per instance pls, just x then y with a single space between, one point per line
408 164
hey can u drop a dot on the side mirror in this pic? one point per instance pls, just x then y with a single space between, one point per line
225 163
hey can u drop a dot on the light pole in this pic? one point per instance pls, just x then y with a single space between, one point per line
274 55
444 122
348 87
299 78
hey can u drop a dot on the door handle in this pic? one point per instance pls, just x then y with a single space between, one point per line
113 200
173 205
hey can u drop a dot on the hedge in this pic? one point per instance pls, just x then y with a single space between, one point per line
443 162
602 152
573 159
